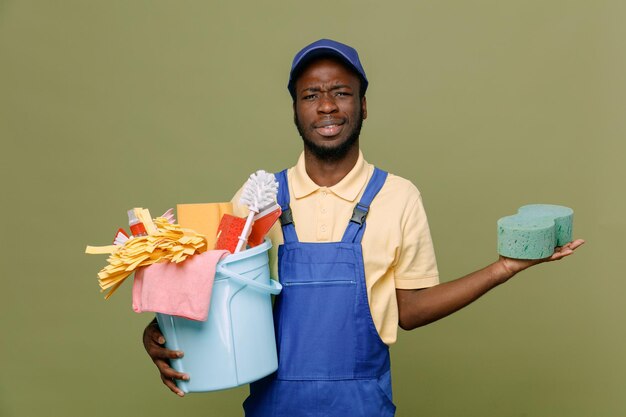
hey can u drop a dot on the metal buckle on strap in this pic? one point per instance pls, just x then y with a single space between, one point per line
359 214
286 217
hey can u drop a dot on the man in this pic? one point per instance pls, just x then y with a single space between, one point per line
355 258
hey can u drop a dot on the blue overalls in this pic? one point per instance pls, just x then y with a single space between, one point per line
331 359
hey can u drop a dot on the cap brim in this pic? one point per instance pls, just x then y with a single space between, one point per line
317 53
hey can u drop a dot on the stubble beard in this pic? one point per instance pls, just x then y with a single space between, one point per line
331 153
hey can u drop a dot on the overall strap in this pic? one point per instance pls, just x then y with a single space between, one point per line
286 218
356 225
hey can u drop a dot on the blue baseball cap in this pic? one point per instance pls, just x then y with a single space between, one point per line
324 48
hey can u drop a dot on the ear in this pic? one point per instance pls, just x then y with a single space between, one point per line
364 107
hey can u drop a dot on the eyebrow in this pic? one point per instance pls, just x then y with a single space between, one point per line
334 87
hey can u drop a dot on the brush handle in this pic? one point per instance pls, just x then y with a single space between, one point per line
244 233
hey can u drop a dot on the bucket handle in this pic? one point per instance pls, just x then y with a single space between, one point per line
273 288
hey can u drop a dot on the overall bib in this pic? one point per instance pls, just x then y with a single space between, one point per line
331 359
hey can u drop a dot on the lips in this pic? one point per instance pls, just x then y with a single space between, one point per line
329 127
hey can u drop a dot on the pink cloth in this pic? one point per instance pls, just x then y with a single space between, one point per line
182 289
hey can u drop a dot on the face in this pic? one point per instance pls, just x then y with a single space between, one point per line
328 110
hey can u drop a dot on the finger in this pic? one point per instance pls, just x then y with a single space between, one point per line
158 352
571 245
156 347
166 370
561 254
575 244
157 337
152 334
562 251
172 386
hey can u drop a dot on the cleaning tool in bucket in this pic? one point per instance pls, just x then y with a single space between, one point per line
236 344
182 289
258 193
228 232
165 242
263 222
204 218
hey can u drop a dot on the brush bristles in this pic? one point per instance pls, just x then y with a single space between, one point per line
260 191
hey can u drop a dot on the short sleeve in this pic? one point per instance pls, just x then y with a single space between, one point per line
416 265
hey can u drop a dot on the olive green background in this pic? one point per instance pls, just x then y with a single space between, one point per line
484 105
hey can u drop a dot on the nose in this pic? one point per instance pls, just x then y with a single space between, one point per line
327 104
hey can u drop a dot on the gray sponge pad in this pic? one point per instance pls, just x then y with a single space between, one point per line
535 231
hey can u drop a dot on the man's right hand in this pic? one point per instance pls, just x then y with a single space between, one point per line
153 342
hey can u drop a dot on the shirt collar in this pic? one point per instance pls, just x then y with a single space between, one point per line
348 188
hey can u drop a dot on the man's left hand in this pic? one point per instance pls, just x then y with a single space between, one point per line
513 266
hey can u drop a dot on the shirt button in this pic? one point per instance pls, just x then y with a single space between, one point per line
323 228
323 210
324 193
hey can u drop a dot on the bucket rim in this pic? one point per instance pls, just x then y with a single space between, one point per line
263 247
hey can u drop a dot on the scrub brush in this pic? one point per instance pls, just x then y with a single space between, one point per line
258 193
263 222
